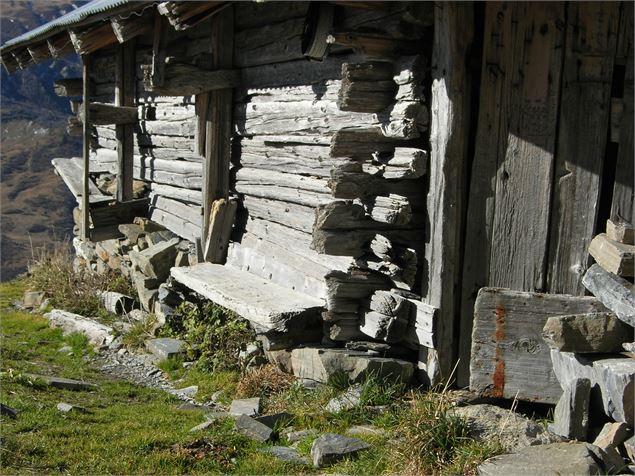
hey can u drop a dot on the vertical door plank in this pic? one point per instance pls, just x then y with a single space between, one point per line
623 189
450 122
583 129
85 231
125 96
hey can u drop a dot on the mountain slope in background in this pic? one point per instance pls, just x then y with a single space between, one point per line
35 205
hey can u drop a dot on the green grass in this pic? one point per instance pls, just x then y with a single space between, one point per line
133 430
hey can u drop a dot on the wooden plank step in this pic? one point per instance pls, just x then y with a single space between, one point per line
72 175
268 306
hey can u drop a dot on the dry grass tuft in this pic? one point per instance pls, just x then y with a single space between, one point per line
69 289
264 381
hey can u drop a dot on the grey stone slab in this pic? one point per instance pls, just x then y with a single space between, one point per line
202 426
299 435
156 261
616 293
246 406
489 423
33 299
165 347
612 434
612 376
275 421
253 429
217 415
286 454
331 448
571 415
189 392
346 401
67 408
63 383
598 332
320 363
629 445
549 460
8 411
365 430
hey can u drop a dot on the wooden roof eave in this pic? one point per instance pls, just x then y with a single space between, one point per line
185 15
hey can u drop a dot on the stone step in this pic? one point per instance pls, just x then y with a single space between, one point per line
268 306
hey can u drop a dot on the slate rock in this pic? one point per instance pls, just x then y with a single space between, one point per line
365 430
629 445
246 406
131 231
571 415
189 392
202 426
165 347
63 383
286 454
155 261
299 435
276 420
320 363
33 299
346 401
253 429
611 376
597 332
612 434
67 408
217 415
488 423
552 459
8 411
331 448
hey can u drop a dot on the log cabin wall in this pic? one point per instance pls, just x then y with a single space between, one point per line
328 158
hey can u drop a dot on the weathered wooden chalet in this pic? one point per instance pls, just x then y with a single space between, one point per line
344 172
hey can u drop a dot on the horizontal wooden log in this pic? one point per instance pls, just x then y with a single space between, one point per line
361 143
9 62
182 128
367 71
117 213
291 195
253 15
295 241
60 45
285 160
348 215
177 193
374 46
598 333
509 357
390 329
356 243
253 176
186 80
134 25
366 96
269 44
400 277
613 256
145 140
191 213
354 285
97 334
393 209
107 114
616 293
403 163
92 39
167 112
288 214
185 15
175 224
72 173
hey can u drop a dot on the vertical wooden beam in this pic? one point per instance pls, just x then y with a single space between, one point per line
582 134
218 123
125 96
507 221
622 204
85 229
449 127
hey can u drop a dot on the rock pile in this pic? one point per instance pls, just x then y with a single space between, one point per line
590 353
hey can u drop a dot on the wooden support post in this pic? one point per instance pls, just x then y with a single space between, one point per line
218 124
449 126
124 96
85 229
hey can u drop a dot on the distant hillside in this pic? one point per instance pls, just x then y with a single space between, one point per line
35 206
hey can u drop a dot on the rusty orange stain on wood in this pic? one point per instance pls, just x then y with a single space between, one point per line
498 378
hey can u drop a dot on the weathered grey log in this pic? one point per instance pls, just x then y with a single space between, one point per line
252 15
269 44
98 334
354 285
599 332
367 71
366 96
88 40
68 87
72 173
191 213
393 209
509 357
60 45
184 15
178 193
184 127
133 26
403 163
348 215
268 306
39 52
185 80
615 293
373 46
360 143
613 256
279 265
102 114
356 242
618 229
183 228
382 327
290 195
351 179
611 376
289 214
251 176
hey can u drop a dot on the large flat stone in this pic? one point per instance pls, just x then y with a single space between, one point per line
489 423
245 406
319 363
253 429
98 334
268 306
612 377
331 448
346 401
556 459
286 454
156 261
63 383
165 347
